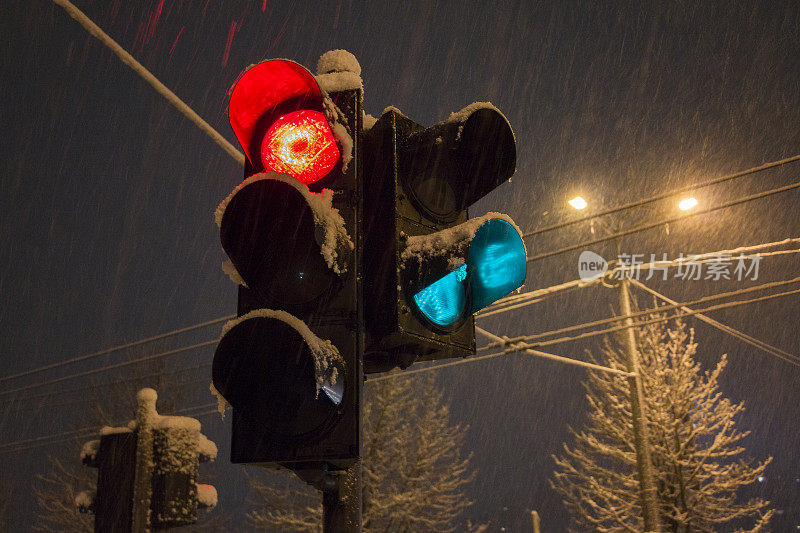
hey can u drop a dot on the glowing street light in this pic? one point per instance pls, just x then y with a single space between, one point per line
578 203
687 203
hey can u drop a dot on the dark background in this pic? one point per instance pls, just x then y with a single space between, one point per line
107 236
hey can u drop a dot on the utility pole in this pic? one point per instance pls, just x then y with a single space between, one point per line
143 483
641 439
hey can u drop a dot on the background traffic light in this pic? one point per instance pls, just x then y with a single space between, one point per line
427 267
290 364
165 451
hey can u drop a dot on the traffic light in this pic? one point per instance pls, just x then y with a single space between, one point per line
290 363
428 268
176 447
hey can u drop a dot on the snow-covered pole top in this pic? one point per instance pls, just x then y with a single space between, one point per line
146 400
338 70
338 61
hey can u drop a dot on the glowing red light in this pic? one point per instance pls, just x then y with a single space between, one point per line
301 145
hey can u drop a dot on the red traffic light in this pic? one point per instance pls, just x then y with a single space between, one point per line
301 145
276 113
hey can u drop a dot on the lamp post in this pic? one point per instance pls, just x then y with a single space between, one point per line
647 489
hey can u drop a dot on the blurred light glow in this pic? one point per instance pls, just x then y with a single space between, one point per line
497 262
687 203
444 300
301 145
578 203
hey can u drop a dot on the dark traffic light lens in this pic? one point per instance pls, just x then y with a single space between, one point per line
264 368
268 231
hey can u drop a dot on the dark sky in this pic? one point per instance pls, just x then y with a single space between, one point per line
106 230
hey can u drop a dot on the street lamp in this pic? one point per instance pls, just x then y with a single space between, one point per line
687 203
578 203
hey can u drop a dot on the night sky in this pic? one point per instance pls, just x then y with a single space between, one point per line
107 235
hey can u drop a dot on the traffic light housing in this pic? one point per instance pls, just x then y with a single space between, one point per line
175 496
290 363
428 267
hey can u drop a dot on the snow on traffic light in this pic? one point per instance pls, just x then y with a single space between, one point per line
428 268
290 363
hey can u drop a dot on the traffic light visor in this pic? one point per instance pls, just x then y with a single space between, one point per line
269 364
496 262
267 91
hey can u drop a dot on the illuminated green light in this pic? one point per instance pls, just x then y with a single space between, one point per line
444 300
496 261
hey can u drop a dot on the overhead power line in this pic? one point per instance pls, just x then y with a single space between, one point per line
110 367
111 383
673 305
19 445
162 89
652 321
515 301
758 343
670 220
530 351
559 358
26 405
116 348
662 196
521 346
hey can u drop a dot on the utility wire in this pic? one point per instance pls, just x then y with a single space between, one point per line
44 405
112 383
111 367
758 343
116 348
670 220
673 305
516 301
558 358
520 346
662 196
655 320
162 89
89 429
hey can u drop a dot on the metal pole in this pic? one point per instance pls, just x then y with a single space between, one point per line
142 485
341 506
641 439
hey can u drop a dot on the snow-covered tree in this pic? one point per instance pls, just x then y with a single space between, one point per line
413 471
696 449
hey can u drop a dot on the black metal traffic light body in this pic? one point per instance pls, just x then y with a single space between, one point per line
263 366
115 461
396 335
420 182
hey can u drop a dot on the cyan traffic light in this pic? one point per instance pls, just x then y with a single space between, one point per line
428 267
